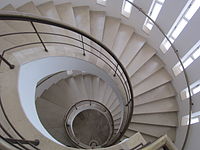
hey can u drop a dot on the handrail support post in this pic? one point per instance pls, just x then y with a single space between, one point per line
83 46
38 35
11 66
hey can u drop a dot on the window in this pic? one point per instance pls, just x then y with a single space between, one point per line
195 117
190 57
188 11
194 88
126 8
153 13
102 2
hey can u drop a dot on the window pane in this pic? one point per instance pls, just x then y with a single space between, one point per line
181 25
161 1
155 11
196 89
149 26
191 11
196 54
187 62
127 7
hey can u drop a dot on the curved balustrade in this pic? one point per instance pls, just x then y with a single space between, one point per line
83 45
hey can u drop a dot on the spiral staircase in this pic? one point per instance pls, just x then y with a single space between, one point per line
155 107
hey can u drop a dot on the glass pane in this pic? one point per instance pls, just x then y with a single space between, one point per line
181 25
161 1
149 26
127 7
167 45
191 11
187 62
196 89
155 11
196 54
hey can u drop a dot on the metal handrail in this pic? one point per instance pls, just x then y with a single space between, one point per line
15 130
118 68
181 63
90 102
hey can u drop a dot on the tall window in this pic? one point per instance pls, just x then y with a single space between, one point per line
153 13
188 11
188 59
127 8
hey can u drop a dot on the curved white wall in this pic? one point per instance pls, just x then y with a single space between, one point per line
31 73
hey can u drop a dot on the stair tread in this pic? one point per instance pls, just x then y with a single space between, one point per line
50 114
82 17
155 80
111 26
164 105
123 35
145 53
155 131
66 13
158 93
133 47
162 119
151 66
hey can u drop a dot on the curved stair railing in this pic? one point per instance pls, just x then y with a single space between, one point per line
176 52
83 47
18 142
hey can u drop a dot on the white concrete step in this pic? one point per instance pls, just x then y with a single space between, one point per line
123 36
74 87
48 10
114 106
157 79
164 105
140 59
97 21
50 114
66 13
107 94
88 86
153 130
70 97
111 26
161 119
59 133
161 92
82 87
150 67
133 47
21 26
55 95
95 85
82 17
29 8
4 29
147 138
101 94
111 100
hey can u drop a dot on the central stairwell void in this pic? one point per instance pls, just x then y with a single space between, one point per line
77 78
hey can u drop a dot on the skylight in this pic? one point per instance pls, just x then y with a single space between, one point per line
188 11
188 59
153 13
102 2
194 88
127 8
